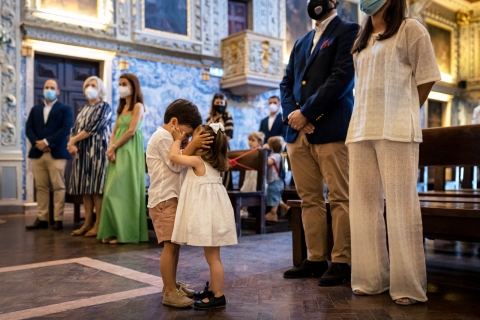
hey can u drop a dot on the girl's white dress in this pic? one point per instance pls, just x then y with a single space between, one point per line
250 181
204 214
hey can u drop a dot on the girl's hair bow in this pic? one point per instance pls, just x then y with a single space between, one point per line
217 126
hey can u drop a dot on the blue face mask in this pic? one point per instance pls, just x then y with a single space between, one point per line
49 94
370 7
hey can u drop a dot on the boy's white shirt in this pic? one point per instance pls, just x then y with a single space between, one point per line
166 177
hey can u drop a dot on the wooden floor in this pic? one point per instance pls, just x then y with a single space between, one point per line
47 274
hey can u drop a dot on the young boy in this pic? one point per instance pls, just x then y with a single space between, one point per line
275 183
165 182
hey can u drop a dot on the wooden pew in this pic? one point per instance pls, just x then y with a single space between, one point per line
299 246
444 214
258 161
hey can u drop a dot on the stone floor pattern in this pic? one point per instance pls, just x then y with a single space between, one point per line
47 274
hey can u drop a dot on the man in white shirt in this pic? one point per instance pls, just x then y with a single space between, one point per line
273 125
47 128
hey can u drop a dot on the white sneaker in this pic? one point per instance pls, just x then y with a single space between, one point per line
243 214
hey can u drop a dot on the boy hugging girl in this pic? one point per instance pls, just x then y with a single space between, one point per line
188 203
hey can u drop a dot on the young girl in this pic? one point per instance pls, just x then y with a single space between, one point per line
255 140
204 214
395 69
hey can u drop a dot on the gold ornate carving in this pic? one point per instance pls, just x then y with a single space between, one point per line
464 17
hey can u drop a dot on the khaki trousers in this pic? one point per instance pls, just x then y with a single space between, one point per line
378 169
312 164
48 170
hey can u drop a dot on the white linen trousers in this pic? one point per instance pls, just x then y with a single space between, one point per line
387 168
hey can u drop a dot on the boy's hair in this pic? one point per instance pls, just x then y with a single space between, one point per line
259 136
276 143
185 111
216 156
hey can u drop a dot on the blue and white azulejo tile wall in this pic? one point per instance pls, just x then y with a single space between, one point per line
162 83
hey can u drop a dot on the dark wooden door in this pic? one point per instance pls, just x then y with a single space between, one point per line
237 16
70 75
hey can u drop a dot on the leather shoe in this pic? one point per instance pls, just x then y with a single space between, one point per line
306 269
200 295
336 274
38 224
212 303
58 225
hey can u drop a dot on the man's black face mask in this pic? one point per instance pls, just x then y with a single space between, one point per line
318 8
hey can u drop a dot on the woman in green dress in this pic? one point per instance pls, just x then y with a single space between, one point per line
123 218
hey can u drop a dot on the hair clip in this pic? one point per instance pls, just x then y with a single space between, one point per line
216 126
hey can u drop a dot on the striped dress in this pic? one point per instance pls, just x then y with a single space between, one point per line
90 164
227 121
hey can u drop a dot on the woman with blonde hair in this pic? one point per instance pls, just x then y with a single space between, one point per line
124 216
88 143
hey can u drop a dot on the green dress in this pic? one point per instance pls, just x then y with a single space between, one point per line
124 209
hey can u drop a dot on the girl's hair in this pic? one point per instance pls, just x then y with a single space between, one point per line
259 136
394 16
136 97
276 143
215 97
102 92
216 156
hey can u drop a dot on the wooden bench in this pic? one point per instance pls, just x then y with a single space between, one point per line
444 214
299 246
256 160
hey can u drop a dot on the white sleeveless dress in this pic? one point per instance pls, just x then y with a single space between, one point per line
204 214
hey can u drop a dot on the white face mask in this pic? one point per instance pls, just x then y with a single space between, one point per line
124 92
91 93
273 108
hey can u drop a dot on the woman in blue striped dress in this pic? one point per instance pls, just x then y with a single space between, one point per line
88 144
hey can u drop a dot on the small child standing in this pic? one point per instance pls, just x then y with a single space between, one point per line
165 182
255 140
204 214
275 184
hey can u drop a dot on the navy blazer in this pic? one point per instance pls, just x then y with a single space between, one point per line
320 83
56 130
278 127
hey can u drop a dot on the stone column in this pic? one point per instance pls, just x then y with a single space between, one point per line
12 116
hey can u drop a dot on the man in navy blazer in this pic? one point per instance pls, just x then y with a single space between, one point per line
273 125
48 127
317 101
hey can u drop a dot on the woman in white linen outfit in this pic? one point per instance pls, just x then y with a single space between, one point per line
395 70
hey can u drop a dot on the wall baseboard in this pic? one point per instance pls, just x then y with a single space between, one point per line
12 209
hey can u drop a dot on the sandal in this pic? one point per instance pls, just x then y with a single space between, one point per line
408 302
359 293
91 234
108 240
79 232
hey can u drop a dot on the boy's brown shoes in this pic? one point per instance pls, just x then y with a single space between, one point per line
177 299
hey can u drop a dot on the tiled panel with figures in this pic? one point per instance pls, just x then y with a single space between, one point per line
162 83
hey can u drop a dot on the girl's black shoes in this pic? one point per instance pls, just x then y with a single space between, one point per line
212 303
203 294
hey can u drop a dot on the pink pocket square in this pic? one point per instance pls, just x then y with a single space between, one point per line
325 44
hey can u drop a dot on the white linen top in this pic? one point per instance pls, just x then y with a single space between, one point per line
387 74
166 177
